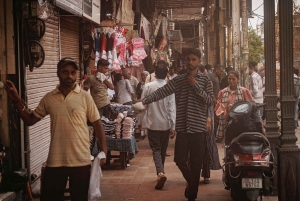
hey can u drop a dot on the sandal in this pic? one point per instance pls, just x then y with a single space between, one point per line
206 180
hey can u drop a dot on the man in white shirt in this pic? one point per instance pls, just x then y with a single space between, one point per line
133 80
256 89
160 121
172 74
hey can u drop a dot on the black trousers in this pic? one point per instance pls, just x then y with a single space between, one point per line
189 152
55 180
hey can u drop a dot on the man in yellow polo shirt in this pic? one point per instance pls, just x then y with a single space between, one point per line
69 156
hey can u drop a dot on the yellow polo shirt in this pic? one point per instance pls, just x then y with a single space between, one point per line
69 146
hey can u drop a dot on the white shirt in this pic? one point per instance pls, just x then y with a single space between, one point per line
256 87
172 76
123 91
133 82
159 115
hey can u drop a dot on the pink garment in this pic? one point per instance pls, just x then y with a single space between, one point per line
116 64
138 49
122 49
232 96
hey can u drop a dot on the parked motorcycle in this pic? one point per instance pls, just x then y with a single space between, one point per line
248 162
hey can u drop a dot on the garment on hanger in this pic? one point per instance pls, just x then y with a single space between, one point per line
103 46
138 49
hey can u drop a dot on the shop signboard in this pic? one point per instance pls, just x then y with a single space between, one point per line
72 6
91 10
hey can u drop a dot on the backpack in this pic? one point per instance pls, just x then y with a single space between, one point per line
296 87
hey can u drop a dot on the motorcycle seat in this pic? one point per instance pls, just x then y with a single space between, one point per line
252 142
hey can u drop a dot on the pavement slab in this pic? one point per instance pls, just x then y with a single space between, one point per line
137 181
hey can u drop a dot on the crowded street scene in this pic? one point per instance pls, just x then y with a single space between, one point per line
149 100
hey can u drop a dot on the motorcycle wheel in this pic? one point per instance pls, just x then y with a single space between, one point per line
237 194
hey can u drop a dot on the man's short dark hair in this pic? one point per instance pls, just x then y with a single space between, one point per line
102 62
228 69
161 70
252 65
217 66
194 51
207 67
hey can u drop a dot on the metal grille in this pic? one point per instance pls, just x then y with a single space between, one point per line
69 39
38 83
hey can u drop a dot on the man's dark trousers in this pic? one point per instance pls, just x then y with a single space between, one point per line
192 146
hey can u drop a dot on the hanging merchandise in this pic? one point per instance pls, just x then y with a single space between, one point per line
162 44
116 64
103 40
138 52
122 54
97 45
109 47
138 49
120 34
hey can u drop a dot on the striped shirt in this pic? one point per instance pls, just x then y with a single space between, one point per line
191 101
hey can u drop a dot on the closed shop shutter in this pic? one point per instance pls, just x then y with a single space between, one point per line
69 38
38 83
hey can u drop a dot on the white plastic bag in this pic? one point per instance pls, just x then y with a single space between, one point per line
96 173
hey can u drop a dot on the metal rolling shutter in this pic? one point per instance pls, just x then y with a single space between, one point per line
69 38
38 83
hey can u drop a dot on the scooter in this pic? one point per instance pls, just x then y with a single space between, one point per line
248 163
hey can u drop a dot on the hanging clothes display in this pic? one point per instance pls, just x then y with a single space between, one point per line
112 44
103 40
97 45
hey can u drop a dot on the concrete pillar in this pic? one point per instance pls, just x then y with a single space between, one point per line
245 52
270 86
236 34
288 152
222 32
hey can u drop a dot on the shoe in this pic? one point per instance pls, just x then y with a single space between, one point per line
206 180
161 179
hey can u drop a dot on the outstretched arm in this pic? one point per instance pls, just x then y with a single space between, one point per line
12 93
160 93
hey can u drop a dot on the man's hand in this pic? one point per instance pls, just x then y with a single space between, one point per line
140 100
172 134
192 81
208 125
12 91
102 161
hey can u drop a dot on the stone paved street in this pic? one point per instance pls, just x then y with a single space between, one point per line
137 181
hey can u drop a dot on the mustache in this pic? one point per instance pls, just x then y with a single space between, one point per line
68 79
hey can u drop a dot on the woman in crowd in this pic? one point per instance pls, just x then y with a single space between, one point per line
124 92
227 97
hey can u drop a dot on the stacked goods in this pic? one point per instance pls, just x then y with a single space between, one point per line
125 126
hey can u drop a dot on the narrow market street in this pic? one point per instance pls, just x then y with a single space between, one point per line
137 181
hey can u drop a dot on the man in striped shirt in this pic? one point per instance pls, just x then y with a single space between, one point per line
193 94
